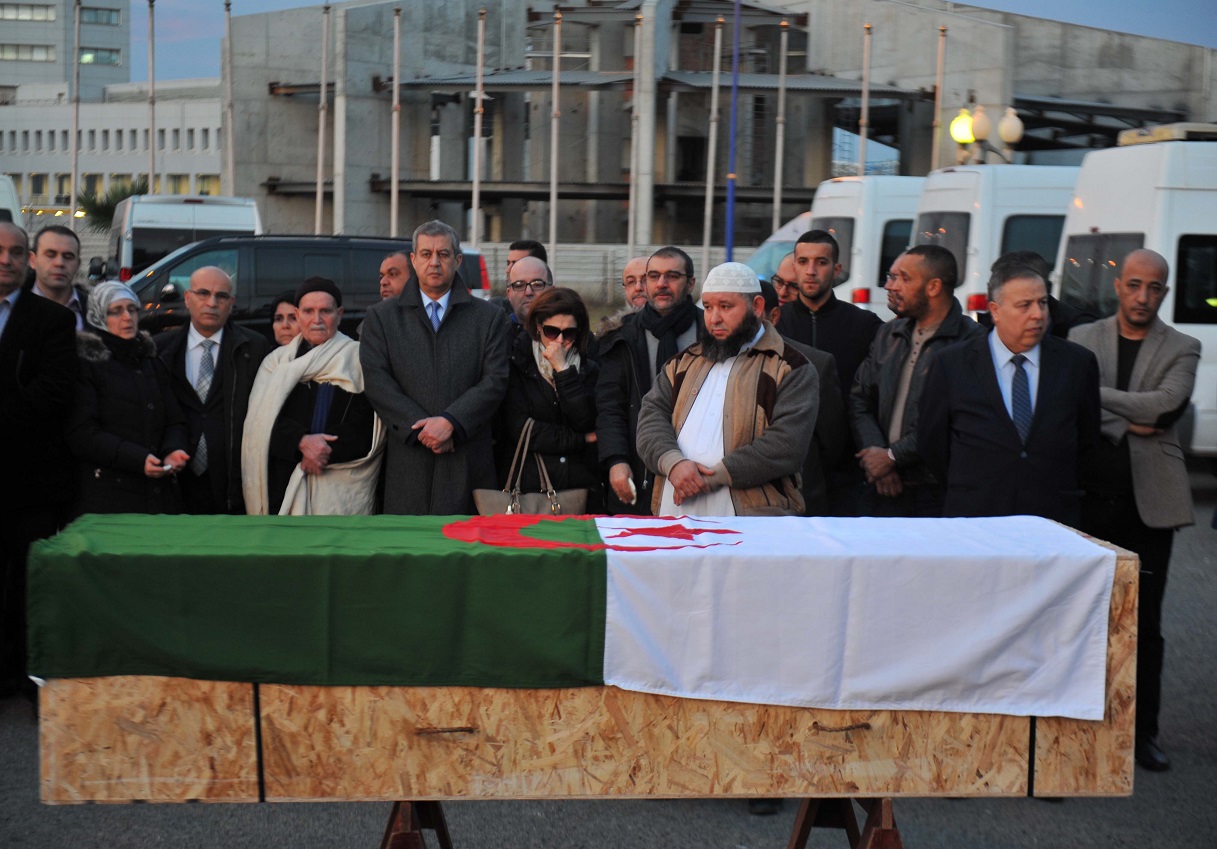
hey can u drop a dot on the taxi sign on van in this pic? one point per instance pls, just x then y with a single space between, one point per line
1169 132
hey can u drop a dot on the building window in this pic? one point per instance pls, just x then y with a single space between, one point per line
63 189
133 139
179 184
176 135
92 139
190 139
26 12
38 187
100 56
120 181
63 139
207 184
205 138
91 183
25 141
160 139
118 139
105 139
37 141
105 17
27 52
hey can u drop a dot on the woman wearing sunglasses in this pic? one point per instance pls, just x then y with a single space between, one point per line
126 429
553 382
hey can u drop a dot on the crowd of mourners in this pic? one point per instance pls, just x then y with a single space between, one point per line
753 398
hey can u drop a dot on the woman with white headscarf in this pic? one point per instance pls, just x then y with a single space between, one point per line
126 429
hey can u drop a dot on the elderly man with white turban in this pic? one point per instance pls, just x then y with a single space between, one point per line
727 423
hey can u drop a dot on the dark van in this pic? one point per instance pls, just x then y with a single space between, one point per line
263 266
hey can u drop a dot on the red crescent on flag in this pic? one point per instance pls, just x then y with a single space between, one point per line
505 532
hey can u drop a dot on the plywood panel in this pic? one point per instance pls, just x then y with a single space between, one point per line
149 739
1074 757
452 743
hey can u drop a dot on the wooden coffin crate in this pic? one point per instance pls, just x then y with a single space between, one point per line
174 740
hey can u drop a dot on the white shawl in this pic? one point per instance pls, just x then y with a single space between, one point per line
344 489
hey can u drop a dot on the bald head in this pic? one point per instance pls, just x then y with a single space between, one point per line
634 282
209 299
528 277
1140 290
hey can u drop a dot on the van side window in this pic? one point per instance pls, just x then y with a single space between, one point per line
1196 280
277 269
1090 267
226 259
1039 233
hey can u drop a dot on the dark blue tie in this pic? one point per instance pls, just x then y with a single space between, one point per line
1021 398
435 315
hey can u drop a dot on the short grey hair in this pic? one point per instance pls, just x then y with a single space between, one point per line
435 227
1003 274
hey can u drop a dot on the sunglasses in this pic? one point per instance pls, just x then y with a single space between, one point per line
568 334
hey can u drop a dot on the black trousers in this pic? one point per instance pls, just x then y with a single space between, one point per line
1116 520
18 528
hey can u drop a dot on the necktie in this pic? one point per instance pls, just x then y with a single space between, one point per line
435 314
202 388
1021 398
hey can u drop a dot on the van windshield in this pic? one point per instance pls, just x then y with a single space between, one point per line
842 229
948 229
1090 267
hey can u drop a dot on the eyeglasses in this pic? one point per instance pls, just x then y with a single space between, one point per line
568 334
120 310
670 276
207 294
779 283
530 285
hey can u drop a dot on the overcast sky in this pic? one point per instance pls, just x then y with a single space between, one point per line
188 32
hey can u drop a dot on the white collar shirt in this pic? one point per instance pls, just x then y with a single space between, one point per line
194 351
1002 357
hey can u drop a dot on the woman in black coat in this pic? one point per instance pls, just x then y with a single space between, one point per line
553 382
126 430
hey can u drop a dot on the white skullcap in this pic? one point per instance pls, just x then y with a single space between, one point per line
732 277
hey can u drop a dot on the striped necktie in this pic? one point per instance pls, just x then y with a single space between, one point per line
1021 398
202 388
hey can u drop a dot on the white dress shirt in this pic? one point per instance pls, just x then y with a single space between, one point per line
1005 371
194 351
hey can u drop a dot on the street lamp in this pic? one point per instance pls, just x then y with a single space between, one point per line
969 129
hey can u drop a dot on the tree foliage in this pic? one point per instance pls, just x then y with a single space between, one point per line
99 211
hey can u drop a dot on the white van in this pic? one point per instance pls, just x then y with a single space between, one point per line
1162 195
10 204
979 212
872 220
766 258
148 227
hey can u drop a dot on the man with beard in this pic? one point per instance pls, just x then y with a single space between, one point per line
883 401
727 424
1136 481
630 356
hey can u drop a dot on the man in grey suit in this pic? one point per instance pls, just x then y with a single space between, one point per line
435 370
1137 489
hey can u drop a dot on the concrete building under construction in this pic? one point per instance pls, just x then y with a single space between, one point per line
643 70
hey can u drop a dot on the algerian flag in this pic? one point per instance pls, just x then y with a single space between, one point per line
1003 615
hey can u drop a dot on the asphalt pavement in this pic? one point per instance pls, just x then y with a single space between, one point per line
1170 809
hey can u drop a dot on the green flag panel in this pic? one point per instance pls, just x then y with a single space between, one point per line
367 600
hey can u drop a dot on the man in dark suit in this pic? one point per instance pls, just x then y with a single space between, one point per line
830 442
1005 417
1137 488
212 364
55 260
37 381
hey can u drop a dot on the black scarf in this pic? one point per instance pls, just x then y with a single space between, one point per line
665 328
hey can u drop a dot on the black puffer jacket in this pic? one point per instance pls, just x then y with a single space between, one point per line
563 414
124 411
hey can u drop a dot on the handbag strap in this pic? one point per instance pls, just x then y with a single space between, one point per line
547 487
520 457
